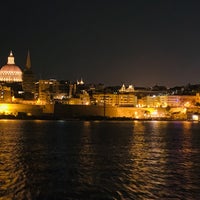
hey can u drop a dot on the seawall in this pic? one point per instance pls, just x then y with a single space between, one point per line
17 109
78 111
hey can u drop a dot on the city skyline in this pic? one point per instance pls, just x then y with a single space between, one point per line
113 42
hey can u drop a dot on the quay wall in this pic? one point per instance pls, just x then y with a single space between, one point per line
73 111
77 111
15 109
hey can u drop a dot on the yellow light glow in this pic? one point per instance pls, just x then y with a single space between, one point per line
3 108
195 117
154 113
187 104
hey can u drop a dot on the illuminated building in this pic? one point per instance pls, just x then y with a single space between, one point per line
28 80
81 99
150 101
181 100
123 89
10 73
47 90
5 94
168 100
127 99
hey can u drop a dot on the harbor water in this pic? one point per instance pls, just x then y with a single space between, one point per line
99 160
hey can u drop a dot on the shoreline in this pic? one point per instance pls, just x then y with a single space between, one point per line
86 118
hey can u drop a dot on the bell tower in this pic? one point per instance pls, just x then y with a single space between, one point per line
28 79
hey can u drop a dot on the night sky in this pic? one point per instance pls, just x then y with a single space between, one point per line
139 42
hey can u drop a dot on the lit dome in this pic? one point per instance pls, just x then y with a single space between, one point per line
10 72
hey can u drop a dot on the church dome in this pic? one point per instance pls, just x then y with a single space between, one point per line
10 72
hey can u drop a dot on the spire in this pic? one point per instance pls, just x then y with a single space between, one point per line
28 61
11 59
123 88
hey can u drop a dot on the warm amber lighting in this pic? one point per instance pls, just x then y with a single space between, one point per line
195 117
3 108
154 113
187 104
10 72
87 103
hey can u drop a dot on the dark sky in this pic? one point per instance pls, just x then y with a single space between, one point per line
139 42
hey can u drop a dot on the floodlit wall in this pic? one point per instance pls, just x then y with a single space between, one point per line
15 109
72 111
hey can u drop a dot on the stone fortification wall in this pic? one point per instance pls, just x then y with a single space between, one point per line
15 109
73 111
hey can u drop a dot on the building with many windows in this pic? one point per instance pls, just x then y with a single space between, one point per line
47 90
123 99
5 94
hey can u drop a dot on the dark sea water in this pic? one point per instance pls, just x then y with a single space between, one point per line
77 160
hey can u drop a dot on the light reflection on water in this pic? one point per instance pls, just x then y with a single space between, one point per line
99 160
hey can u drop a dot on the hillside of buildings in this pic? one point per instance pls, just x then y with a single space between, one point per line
22 94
